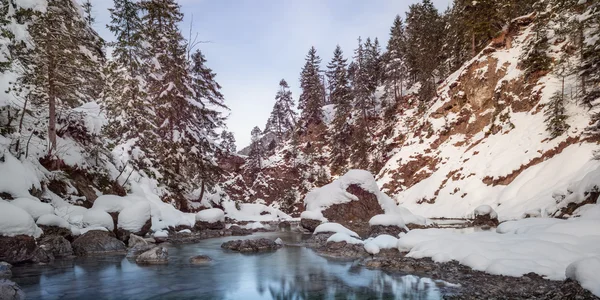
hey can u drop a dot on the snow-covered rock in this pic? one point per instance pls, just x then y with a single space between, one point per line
335 228
156 255
485 215
388 220
111 203
211 215
53 220
35 208
133 217
98 218
384 241
16 221
343 237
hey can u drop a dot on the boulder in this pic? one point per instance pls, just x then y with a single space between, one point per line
239 231
56 231
135 240
309 224
56 245
484 216
200 260
5 271
137 250
10 290
202 225
156 255
355 215
21 249
342 250
246 246
376 230
124 234
97 242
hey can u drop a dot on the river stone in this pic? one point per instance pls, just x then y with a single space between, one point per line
97 242
342 250
258 245
200 260
355 215
5 271
138 249
156 255
377 230
201 225
9 290
309 224
239 231
135 240
21 249
285 225
125 235
56 245
56 231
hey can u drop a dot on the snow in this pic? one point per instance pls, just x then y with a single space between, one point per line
334 227
485 210
16 221
384 241
343 237
585 271
335 193
184 231
37 5
17 176
252 212
72 213
313 215
541 245
132 218
161 234
255 225
98 218
35 208
211 215
111 203
53 220
85 230
387 220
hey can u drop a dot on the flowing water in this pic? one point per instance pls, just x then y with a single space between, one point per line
289 273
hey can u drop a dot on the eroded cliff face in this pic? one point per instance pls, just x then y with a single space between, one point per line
482 140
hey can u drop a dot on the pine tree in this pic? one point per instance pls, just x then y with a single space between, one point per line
341 97
424 35
283 117
481 21
556 115
255 156
228 142
395 60
361 108
63 67
124 97
174 143
87 9
312 97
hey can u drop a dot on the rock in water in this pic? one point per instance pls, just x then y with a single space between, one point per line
56 245
20 249
251 245
55 230
309 224
134 252
97 242
135 240
10 290
285 225
485 215
200 260
5 271
156 255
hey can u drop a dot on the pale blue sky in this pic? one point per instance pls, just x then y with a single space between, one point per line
255 43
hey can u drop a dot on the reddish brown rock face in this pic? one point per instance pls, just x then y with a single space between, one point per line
355 215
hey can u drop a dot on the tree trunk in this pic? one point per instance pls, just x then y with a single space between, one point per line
472 44
202 189
17 146
51 106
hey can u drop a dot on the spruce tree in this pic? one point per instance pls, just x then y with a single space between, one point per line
395 60
556 116
62 69
228 142
87 9
362 108
255 156
283 117
311 99
341 97
536 60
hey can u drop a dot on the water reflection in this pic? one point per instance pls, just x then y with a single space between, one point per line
290 273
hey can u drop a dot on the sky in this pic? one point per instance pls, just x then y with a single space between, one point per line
252 44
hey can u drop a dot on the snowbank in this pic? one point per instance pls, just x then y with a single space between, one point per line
335 193
388 220
98 218
161 234
255 225
252 212
585 271
343 237
132 218
543 246
111 203
16 221
35 208
211 215
53 220
72 213
313 215
334 227
384 241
